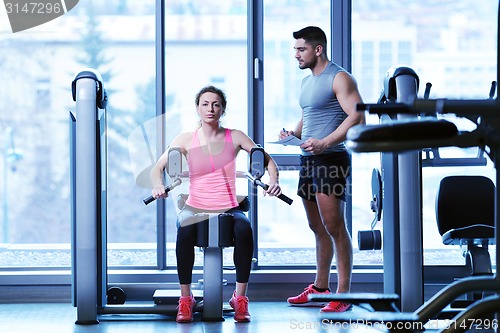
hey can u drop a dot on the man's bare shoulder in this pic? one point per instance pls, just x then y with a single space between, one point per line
344 82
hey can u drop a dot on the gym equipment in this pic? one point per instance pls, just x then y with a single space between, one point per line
174 170
372 239
88 193
90 293
465 214
257 170
429 133
400 173
425 133
432 157
215 232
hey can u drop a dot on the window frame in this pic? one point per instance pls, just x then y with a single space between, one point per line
341 53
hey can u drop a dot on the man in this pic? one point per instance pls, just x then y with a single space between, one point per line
328 100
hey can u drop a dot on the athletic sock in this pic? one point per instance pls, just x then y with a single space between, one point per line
321 290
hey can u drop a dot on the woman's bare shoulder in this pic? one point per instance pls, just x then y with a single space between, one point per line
183 140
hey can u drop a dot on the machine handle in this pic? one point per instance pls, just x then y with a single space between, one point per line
285 198
281 196
150 199
389 108
427 91
493 88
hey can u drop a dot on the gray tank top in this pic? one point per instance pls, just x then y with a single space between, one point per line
322 111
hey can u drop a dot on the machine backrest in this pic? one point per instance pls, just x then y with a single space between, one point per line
463 201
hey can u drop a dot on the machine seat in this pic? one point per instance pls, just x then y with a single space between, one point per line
465 209
474 234
465 215
225 236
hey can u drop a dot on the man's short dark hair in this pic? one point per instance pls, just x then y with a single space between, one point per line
312 36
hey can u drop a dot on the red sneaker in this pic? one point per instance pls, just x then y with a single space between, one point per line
185 309
336 307
240 306
303 300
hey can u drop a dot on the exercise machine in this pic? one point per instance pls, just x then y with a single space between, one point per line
214 230
90 293
421 133
88 195
399 173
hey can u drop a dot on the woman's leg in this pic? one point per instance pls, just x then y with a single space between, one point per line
184 251
243 251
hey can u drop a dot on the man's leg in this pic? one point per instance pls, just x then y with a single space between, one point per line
331 210
324 245
324 256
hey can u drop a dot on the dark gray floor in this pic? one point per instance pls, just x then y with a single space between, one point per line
60 317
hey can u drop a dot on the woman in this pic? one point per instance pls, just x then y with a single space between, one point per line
211 155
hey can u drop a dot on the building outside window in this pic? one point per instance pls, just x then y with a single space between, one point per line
206 43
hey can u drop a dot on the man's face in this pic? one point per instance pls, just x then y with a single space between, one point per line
305 54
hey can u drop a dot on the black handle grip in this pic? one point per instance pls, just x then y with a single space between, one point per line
427 91
281 196
150 199
493 89
389 108
285 198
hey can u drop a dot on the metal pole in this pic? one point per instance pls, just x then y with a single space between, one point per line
86 209
5 229
410 211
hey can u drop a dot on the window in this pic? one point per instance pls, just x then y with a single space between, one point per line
284 235
118 41
449 44
443 50
205 45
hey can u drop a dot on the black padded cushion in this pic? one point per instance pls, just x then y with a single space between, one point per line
242 199
469 234
415 130
465 208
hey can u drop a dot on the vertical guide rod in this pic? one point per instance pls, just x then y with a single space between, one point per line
86 209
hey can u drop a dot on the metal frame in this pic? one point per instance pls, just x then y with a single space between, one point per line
255 84
161 214
89 224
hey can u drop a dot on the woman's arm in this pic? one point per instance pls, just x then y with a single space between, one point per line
156 173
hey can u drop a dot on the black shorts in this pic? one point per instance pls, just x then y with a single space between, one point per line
324 173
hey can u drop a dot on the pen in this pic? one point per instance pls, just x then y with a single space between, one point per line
284 130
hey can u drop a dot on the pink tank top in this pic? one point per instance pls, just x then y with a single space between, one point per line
212 178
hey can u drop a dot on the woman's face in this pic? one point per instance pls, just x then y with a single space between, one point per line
210 107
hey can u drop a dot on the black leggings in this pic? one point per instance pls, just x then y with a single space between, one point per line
186 238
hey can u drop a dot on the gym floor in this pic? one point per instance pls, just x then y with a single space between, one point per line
266 317
60 318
